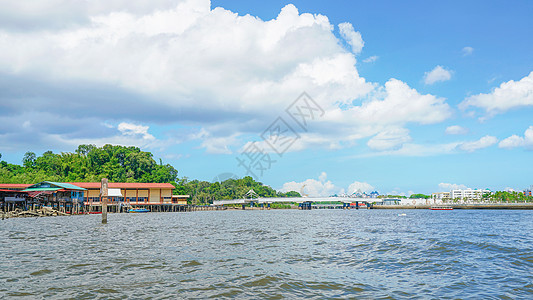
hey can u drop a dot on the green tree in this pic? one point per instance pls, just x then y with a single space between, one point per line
29 159
419 196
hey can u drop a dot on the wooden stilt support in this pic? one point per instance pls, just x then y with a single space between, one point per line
103 194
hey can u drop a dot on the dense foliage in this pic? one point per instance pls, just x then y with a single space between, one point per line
203 192
511 197
419 196
125 164
89 164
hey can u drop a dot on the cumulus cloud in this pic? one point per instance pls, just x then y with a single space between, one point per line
517 141
483 142
133 129
455 129
438 74
508 95
352 37
59 14
323 187
182 62
312 187
446 187
467 50
360 186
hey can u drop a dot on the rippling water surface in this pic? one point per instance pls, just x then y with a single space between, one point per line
271 254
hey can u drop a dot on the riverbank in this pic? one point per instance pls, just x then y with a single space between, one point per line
462 206
48 211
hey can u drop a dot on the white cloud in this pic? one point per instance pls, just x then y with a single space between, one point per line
371 59
397 103
312 187
391 139
483 142
456 129
512 142
517 141
218 145
359 186
352 37
467 50
133 130
323 177
438 74
185 63
508 95
446 187
323 187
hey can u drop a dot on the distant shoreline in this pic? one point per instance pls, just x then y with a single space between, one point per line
462 206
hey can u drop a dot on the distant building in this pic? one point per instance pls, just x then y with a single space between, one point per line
357 194
361 194
527 192
440 197
468 194
134 193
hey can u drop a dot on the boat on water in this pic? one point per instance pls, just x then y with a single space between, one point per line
139 210
441 207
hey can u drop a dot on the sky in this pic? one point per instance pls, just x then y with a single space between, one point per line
321 97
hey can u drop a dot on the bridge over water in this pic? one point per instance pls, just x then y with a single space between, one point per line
304 202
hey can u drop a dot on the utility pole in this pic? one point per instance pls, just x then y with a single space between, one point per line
103 194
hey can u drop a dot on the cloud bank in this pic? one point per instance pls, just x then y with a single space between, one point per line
223 77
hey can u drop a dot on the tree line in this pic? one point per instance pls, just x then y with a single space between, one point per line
89 163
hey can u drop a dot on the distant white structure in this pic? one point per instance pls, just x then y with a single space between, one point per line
416 201
468 194
439 198
459 195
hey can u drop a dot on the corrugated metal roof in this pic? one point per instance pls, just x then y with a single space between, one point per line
66 185
58 186
41 189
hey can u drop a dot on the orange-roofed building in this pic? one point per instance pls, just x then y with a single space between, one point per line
132 192
14 186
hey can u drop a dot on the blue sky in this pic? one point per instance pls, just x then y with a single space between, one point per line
416 96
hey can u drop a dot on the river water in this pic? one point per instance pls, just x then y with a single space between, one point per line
271 254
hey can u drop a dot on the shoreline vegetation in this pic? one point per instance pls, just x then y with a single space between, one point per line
127 164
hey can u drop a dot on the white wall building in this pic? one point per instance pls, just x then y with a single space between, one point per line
439 198
468 194
416 201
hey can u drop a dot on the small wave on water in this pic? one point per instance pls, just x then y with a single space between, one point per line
270 254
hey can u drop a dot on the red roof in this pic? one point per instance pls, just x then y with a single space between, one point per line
11 191
13 185
124 185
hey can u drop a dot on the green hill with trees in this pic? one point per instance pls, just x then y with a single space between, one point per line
125 164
